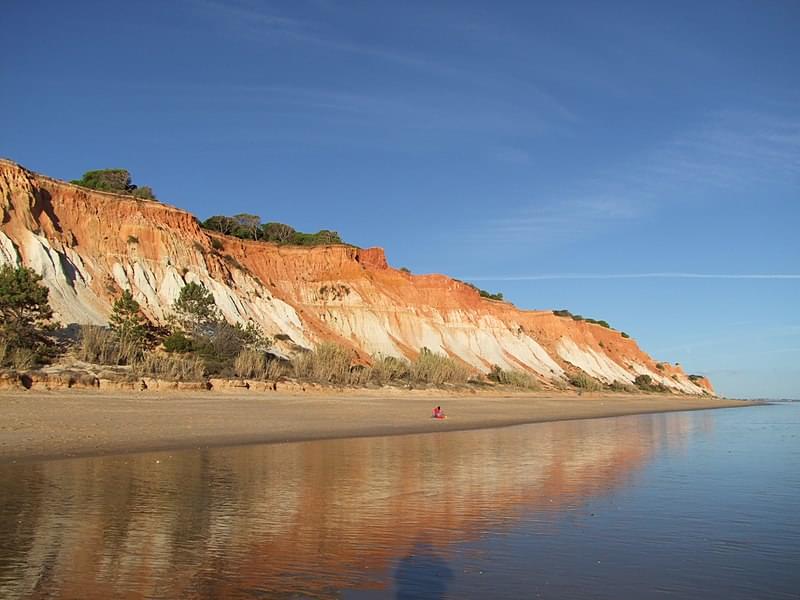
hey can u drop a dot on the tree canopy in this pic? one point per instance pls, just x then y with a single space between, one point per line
195 310
24 308
114 180
127 322
250 227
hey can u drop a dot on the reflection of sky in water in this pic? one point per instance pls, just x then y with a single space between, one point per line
638 506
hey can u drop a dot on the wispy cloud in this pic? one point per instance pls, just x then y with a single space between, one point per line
736 337
729 150
554 220
270 27
664 275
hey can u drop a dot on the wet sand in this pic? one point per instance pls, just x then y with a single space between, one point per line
61 424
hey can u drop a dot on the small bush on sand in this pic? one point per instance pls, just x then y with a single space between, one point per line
170 366
619 386
4 353
582 381
177 342
437 369
648 384
513 378
386 369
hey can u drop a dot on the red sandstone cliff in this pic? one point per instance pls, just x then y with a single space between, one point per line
90 245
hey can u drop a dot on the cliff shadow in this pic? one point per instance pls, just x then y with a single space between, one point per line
43 203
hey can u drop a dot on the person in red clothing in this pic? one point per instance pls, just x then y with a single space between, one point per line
438 413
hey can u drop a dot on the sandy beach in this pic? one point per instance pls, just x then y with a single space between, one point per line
38 425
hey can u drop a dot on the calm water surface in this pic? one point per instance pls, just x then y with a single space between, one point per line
682 505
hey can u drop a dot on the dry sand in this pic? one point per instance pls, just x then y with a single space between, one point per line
58 424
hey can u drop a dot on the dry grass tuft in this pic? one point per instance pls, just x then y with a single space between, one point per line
174 367
23 359
98 345
437 369
328 363
582 381
101 346
513 378
250 364
386 369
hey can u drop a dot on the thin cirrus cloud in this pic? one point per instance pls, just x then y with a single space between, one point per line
657 275
533 107
728 150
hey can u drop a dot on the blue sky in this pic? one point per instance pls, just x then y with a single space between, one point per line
541 150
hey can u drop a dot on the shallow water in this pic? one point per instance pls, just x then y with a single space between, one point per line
680 505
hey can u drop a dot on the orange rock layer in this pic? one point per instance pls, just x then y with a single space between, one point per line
90 245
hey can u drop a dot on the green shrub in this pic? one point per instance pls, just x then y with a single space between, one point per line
145 192
482 293
437 369
132 239
279 233
583 381
117 181
324 237
405 270
568 314
178 343
249 227
217 244
696 378
618 386
513 378
107 180
647 384
625 335
4 353
25 313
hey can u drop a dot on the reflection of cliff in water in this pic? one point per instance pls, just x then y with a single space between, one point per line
310 517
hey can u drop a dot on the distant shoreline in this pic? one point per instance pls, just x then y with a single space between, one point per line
62 424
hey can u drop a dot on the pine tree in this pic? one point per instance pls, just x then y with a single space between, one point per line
195 310
130 327
24 308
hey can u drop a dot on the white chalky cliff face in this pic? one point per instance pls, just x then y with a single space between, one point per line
89 246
